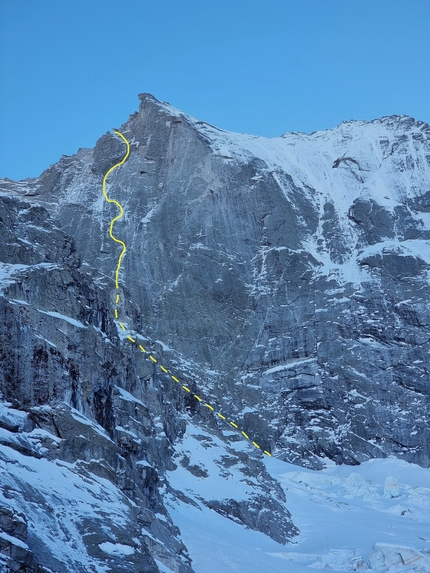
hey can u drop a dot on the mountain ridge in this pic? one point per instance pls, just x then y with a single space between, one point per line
285 278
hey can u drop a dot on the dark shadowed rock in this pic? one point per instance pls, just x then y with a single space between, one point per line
285 280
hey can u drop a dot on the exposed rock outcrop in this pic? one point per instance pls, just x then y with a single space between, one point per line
285 280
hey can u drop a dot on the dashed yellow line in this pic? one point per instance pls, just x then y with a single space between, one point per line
117 297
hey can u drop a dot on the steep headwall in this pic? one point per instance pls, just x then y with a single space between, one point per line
285 280
291 272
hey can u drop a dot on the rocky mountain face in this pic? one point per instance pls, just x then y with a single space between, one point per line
283 281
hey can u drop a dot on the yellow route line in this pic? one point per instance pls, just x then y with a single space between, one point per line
121 210
117 298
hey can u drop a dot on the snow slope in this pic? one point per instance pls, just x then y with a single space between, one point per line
375 516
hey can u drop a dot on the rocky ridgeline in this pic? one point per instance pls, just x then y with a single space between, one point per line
286 280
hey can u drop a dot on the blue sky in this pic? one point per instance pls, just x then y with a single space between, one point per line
70 70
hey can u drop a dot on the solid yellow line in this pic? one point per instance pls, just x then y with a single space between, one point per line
118 267
120 207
